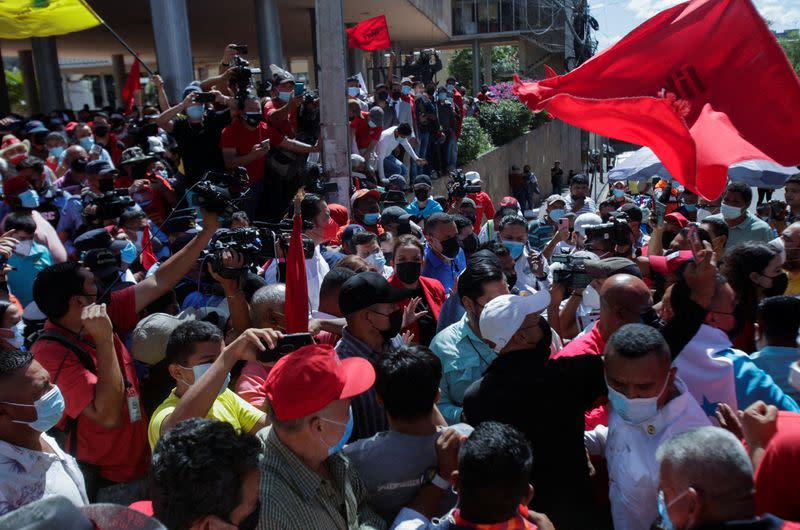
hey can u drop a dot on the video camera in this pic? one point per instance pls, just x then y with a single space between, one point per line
458 187
605 236
315 181
572 271
219 192
241 79
110 204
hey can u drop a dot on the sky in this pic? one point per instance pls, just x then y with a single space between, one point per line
618 17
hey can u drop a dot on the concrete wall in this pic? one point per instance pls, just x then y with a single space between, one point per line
439 11
539 148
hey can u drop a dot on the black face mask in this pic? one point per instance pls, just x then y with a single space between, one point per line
79 165
396 94
100 130
253 118
779 284
383 96
470 243
105 184
450 247
408 272
666 239
511 279
395 325
651 318
422 195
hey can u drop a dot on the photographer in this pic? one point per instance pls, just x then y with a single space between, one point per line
281 110
422 69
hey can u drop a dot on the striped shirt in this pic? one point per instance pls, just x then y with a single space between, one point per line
369 418
588 205
293 497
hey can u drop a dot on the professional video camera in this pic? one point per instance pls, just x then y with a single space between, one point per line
315 180
241 79
458 187
220 192
110 204
607 235
570 269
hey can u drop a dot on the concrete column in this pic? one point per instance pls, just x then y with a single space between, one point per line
487 66
313 61
5 102
476 66
333 107
103 90
29 81
522 55
48 76
118 71
268 33
173 45
377 75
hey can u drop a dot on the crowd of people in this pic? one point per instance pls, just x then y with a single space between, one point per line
470 361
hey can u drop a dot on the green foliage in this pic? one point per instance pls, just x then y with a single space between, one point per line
473 143
16 91
792 49
538 119
505 120
505 62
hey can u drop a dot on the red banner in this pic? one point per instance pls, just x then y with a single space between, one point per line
132 84
370 34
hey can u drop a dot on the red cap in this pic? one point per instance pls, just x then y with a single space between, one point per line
671 262
509 201
364 192
677 218
311 378
71 126
338 213
14 186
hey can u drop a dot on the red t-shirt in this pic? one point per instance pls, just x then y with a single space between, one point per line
241 138
363 132
776 477
288 126
122 453
483 206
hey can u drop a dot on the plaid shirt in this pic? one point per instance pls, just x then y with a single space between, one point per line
369 418
295 498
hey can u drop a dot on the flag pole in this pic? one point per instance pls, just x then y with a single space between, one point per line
116 36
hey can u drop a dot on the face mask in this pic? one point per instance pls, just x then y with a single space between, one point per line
18 340
408 271
618 193
195 112
285 96
372 124
663 508
353 91
348 430
407 90
591 298
515 248
29 199
779 284
422 195
56 152
100 131
395 94
377 260
470 243
730 212
450 247
395 325
442 96
79 165
23 248
702 214
129 253
200 369
86 142
511 279
49 409
371 218
253 118
556 214
634 410
690 207
383 96
450 88
164 174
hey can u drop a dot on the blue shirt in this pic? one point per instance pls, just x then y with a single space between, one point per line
20 281
775 360
431 207
443 270
464 357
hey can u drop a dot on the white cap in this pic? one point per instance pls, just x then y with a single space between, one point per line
502 317
472 176
584 220
155 145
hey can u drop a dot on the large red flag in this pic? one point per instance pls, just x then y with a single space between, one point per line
370 34
132 84
296 282
703 84
148 257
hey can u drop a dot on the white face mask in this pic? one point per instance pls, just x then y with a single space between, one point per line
18 339
730 212
591 298
634 410
702 214
24 248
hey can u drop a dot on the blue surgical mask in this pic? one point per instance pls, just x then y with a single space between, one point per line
450 88
348 430
196 112
18 340
372 123
49 410
730 212
618 193
353 91
371 218
442 96
556 214
663 508
515 248
407 90
86 142
29 199
285 96
199 369
378 260
690 207
56 151
129 253
634 410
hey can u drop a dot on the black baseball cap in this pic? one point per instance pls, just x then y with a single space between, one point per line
422 180
391 214
102 262
366 289
633 212
605 268
92 239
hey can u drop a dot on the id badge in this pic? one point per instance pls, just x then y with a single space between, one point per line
134 408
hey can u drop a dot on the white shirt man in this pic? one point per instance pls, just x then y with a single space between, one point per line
389 141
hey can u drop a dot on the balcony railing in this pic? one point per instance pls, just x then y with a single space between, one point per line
474 17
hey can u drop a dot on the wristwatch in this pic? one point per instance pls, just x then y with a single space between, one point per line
431 476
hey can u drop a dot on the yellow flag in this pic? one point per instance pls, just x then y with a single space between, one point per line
20 19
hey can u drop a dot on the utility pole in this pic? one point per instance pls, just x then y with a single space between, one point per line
333 103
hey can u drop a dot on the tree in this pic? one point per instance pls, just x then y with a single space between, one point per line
505 62
16 91
792 49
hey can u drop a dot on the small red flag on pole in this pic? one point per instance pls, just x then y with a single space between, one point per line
296 282
132 85
370 34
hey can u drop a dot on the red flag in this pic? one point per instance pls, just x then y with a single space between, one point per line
148 257
370 34
296 283
703 84
132 84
